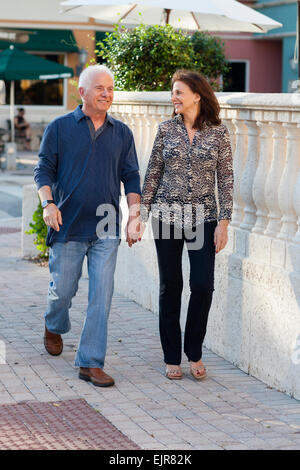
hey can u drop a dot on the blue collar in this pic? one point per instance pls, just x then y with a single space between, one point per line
79 114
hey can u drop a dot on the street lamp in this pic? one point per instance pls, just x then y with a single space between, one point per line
82 55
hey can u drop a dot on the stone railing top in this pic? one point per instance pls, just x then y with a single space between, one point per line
143 97
270 101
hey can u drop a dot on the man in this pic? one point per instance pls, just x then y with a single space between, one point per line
83 158
22 127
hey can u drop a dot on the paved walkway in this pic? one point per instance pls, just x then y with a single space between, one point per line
228 410
62 425
11 187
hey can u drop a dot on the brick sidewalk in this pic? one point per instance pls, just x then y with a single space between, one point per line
228 410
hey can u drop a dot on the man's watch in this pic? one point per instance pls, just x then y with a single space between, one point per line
47 202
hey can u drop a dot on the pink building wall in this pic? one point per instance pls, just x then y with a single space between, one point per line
265 62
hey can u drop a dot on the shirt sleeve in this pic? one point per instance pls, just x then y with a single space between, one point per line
46 170
225 177
130 175
153 175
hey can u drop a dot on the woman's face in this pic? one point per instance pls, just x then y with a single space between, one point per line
183 98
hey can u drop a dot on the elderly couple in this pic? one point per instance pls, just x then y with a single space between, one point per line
84 157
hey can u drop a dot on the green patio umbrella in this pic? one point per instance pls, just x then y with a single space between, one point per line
18 65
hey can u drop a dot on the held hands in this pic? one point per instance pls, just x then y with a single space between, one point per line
52 217
221 235
134 230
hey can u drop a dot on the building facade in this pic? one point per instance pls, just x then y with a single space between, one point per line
284 11
39 27
260 63
264 63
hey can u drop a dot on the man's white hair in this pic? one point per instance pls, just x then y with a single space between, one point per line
86 74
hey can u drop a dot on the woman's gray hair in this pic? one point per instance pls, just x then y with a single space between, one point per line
86 74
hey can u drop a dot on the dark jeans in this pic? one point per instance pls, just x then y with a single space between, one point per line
202 262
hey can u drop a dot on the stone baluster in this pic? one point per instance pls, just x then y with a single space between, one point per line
152 122
229 124
130 121
288 183
238 166
296 202
259 183
156 120
116 113
124 115
273 180
147 134
146 137
138 131
248 176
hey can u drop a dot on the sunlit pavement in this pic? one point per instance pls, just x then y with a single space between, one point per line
228 410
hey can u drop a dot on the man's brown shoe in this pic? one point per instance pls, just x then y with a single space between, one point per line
53 343
97 376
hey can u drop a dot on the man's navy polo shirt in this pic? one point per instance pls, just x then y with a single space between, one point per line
84 170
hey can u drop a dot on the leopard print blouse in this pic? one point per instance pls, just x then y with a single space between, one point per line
180 181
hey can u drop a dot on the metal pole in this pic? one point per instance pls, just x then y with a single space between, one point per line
12 110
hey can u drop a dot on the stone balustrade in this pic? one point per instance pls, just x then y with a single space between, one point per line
255 316
265 139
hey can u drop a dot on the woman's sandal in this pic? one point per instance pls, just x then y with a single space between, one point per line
173 374
198 372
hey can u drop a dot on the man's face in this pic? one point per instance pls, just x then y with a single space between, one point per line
99 93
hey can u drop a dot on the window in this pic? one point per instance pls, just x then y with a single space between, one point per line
237 77
39 92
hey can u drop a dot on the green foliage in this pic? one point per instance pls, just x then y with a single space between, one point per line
40 229
209 56
146 57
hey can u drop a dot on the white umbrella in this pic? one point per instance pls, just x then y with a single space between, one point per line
210 15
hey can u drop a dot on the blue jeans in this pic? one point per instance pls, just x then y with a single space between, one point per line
65 265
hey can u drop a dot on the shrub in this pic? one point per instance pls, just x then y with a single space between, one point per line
40 229
145 58
209 56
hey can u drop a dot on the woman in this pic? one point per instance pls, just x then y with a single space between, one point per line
189 151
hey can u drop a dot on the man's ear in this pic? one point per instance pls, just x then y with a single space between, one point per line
81 91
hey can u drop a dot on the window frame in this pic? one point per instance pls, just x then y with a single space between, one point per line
247 73
65 87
